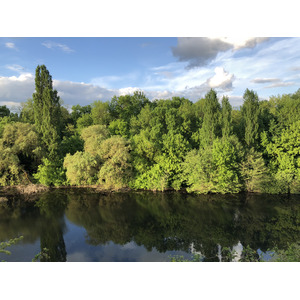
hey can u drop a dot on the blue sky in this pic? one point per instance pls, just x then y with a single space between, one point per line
92 68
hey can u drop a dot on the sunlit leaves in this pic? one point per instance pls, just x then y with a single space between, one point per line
81 168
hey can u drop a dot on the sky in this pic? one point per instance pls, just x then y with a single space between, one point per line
86 69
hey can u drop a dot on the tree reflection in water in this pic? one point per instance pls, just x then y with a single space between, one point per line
52 208
176 221
208 225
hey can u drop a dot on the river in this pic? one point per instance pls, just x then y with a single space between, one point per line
84 226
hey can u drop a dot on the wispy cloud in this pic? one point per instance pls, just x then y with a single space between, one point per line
280 84
11 46
53 45
112 81
295 69
265 80
15 68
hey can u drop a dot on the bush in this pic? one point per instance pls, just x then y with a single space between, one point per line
116 170
51 173
81 168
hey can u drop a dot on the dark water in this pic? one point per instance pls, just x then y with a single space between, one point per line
80 225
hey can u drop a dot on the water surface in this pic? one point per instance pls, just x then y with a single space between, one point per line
81 225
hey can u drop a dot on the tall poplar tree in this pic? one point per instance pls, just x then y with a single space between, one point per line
47 113
226 117
250 112
211 119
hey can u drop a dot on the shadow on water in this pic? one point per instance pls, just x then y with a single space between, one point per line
161 222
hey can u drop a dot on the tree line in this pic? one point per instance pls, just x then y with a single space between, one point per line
132 142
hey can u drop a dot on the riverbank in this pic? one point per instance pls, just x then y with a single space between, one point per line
32 189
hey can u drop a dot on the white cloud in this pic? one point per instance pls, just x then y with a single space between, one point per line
51 45
128 90
16 89
10 46
81 93
10 103
222 79
243 42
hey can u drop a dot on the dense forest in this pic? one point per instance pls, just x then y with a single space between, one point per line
132 142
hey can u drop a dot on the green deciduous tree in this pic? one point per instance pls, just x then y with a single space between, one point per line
19 153
115 172
4 111
84 121
214 168
51 173
78 111
81 168
27 112
254 172
283 152
93 136
100 113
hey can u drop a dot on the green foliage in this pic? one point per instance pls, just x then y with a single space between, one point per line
4 111
115 172
81 168
124 107
286 109
93 136
249 255
205 146
50 173
254 172
213 169
154 179
84 121
180 258
78 111
4 245
19 152
251 112
20 137
42 256
11 173
47 112
291 254
27 112
118 127
3 121
71 145
226 117
100 113
211 126
283 152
